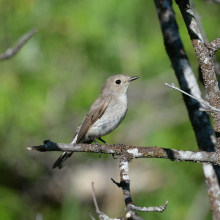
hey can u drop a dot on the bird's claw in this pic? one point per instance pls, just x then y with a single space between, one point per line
99 146
100 150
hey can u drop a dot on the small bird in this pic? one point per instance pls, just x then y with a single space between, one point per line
104 116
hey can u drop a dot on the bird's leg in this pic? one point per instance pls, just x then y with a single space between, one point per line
103 141
97 143
113 155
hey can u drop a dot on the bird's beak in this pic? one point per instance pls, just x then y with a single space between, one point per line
133 78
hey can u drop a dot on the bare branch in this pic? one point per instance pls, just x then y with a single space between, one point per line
186 78
217 66
215 45
94 198
200 120
150 209
100 214
91 216
205 53
198 19
103 216
210 108
125 179
10 52
125 185
133 152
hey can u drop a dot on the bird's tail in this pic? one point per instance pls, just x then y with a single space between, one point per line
61 161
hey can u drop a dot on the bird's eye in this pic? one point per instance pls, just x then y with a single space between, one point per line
118 81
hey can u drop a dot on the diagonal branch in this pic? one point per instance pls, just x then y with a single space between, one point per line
10 52
198 19
210 108
91 216
94 198
200 120
205 55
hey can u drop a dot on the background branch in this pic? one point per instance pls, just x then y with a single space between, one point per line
91 216
10 52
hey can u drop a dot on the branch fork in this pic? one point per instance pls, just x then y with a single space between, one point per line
125 185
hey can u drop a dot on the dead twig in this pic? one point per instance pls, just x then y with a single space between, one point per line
10 52
149 209
203 102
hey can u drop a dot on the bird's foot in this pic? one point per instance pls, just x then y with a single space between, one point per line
97 143
100 149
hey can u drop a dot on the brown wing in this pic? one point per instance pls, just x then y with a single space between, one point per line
95 112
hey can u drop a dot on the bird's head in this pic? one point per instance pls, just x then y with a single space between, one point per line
117 84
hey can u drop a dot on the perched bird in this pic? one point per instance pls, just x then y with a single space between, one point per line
104 116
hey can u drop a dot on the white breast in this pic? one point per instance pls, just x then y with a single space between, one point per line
112 117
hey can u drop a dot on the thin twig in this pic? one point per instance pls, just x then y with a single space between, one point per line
205 58
210 108
10 52
100 214
91 216
198 19
94 198
150 209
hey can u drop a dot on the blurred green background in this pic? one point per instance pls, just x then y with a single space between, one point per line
48 87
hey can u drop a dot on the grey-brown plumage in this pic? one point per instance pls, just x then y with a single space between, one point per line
105 114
